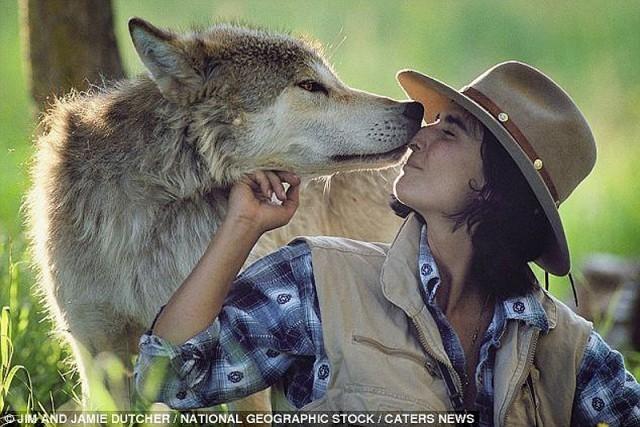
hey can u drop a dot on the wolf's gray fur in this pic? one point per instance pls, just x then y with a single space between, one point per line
130 181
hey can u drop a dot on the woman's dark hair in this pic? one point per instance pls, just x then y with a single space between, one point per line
507 224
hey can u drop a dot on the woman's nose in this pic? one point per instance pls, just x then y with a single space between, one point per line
419 141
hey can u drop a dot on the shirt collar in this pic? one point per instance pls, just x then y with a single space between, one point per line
526 308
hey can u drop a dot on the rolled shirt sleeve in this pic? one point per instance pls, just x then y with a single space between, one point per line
267 324
605 392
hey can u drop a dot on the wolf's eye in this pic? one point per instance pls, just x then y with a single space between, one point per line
311 86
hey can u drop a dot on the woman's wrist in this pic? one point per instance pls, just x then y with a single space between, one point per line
242 226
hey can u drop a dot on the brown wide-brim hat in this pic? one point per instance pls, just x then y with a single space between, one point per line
537 123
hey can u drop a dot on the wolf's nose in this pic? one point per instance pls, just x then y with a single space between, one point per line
414 110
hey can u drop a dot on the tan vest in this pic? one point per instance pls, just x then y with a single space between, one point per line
383 345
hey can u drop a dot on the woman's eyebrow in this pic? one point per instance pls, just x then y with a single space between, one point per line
454 120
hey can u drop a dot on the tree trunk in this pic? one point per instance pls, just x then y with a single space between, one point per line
68 44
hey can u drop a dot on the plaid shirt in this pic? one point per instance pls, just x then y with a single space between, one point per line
269 329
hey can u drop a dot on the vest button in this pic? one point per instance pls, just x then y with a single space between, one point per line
181 394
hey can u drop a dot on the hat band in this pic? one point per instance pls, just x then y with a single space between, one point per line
517 135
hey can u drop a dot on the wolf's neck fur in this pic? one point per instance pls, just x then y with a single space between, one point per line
129 160
176 145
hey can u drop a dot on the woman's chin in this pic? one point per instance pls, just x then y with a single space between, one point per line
408 193
399 194
402 187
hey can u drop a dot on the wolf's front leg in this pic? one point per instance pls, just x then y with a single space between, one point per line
103 346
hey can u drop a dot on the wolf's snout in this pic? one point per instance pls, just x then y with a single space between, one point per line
414 110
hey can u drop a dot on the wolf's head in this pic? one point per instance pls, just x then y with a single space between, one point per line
258 100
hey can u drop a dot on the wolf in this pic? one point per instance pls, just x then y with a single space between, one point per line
130 180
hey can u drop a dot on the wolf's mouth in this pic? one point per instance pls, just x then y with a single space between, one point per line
371 157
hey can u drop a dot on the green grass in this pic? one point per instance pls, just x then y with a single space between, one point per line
45 377
589 47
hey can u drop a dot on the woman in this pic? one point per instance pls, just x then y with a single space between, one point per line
447 317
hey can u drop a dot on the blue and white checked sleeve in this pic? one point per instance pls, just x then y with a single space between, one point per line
605 391
269 323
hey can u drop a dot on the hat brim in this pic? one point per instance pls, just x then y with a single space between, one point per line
435 95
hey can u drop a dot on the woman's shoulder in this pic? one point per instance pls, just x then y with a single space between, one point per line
559 314
563 346
343 244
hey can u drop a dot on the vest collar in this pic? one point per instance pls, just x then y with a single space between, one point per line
530 310
400 282
399 275
400 285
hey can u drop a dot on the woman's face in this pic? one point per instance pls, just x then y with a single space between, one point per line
445 159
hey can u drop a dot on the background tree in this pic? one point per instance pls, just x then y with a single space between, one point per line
68 44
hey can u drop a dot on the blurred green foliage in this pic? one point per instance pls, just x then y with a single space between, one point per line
591 48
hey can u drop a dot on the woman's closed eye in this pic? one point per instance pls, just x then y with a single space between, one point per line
446 131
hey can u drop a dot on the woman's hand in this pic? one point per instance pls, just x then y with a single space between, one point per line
200 297
250 200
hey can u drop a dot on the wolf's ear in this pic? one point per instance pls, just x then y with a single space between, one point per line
161 54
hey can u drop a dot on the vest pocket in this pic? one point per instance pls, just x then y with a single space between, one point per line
393 374
420 359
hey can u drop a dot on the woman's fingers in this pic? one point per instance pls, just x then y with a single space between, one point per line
250 180
293 194
289 177
251 199
257 203
276 185
263 182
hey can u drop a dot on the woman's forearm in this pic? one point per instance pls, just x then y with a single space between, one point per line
250 212
198 301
